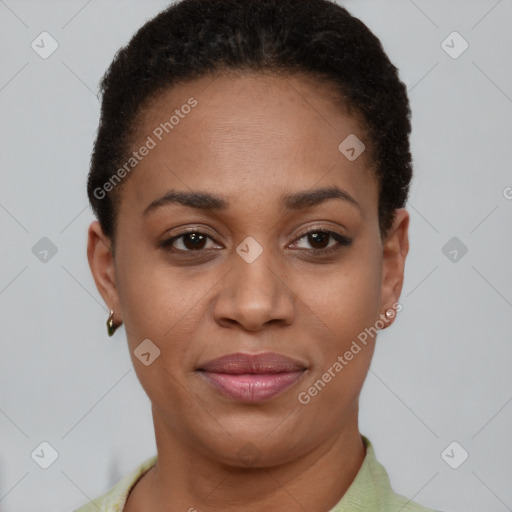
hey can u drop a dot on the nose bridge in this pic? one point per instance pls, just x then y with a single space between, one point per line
253 267
253 292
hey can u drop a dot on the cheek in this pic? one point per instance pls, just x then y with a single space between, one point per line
346 299
162 304
348 309
156 307
149 302
343 305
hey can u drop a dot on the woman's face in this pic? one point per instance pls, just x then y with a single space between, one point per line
249 280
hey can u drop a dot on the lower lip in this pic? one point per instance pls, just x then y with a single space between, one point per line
252 387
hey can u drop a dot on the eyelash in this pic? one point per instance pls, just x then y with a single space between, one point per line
342 241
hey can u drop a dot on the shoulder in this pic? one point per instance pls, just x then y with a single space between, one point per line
390 499
114 499
371 490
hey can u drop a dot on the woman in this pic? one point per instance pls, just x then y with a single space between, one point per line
249 178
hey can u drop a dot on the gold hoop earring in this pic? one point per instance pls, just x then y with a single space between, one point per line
111 326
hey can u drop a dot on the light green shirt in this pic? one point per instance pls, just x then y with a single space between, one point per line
370 491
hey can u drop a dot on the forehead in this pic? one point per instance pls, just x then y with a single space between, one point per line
241 136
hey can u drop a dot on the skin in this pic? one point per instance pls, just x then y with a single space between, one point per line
250 139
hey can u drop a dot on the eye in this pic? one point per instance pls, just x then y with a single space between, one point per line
319 240
194 240
190 241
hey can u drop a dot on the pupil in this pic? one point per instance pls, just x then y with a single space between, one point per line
316 236
195 238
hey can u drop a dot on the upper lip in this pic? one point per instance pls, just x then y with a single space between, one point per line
266 362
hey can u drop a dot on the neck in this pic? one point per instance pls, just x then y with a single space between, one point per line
186 480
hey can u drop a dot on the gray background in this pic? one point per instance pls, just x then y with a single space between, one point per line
440 374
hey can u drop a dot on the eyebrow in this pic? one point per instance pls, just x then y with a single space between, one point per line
210 202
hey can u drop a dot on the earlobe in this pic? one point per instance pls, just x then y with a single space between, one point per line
395 248
101 263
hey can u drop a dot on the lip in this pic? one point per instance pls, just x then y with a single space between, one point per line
252 377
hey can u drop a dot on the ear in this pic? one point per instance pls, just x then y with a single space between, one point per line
394 252
101 263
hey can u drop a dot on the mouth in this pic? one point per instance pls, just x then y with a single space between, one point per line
252 377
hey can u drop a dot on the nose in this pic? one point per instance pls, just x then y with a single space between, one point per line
255 293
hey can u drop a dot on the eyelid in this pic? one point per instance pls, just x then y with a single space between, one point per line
336 230
316 229
194 229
